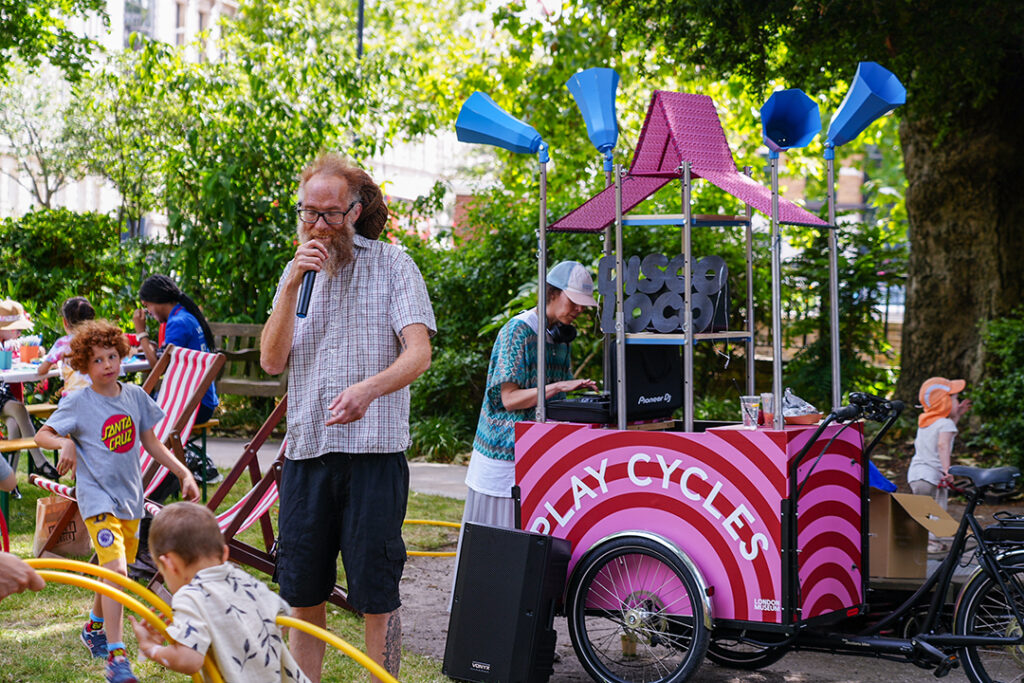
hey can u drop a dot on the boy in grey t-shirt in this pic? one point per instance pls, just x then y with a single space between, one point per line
98 432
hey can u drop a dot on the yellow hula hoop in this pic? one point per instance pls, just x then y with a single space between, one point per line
102 572
431 522
359 657
129 602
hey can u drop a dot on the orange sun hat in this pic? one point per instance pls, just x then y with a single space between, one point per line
936 398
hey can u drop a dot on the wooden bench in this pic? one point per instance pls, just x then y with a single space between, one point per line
41 411
243 376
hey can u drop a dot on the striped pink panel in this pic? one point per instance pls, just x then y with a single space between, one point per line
182 379
716 494
681 127
829 524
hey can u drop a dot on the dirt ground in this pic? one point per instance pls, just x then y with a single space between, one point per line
427 583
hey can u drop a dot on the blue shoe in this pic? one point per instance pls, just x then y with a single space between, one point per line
96 641
119 670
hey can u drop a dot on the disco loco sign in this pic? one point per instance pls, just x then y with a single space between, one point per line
654 292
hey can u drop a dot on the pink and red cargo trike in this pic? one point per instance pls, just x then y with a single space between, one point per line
694 539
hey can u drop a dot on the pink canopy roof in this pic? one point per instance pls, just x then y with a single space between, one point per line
679 127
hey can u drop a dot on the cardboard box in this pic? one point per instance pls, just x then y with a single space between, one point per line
898 531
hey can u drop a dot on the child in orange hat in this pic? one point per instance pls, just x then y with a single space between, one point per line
928 474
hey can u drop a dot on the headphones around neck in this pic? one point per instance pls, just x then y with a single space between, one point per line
562 333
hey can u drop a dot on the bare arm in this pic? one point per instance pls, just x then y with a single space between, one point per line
16 576
160 453
50 440
945 449
276 340
414 359
145 343
44 368
515 398
9 482
175 656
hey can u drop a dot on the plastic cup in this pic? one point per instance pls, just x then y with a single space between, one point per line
28 353
768 407
6 360
749 407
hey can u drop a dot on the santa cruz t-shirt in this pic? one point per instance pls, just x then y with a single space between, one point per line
106 431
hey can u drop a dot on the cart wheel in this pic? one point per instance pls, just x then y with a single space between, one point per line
636 613
732 651
983 609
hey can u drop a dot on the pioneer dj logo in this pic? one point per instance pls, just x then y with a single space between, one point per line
654 399
119 433
480 666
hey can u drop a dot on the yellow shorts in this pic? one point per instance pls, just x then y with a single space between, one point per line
113 538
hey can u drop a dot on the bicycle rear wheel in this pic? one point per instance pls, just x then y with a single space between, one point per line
636 614
985 610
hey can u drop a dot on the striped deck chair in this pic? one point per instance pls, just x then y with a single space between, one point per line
255 505
183 376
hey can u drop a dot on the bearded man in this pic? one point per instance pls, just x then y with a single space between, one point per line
365 338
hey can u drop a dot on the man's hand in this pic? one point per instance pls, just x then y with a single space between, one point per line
308 256
189 488
68 457
351 404
16 576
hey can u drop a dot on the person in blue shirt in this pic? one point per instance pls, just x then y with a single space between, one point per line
185 326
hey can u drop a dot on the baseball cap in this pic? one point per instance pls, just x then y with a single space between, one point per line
573 279
935 389
12 316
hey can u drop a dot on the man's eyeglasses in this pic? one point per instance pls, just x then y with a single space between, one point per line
330 217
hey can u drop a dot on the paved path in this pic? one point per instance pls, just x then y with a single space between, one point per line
424 477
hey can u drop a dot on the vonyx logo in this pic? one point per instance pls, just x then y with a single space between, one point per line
480 666
654 399
119 433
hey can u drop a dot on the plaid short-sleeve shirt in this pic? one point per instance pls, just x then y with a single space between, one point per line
351 333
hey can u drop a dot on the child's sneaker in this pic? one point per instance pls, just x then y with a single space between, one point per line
119 670
96 641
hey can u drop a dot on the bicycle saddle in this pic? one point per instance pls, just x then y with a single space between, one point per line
982 476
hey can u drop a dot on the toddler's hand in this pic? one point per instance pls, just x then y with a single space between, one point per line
145 634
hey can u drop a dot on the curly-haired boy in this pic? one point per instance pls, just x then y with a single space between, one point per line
98 431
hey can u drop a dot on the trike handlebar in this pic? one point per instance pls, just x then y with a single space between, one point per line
869 407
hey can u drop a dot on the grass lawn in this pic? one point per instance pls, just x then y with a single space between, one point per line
39 631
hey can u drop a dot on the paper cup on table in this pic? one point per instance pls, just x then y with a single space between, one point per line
749 407
28 353
6 360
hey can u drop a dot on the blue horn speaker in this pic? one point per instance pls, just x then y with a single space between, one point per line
789 119
482 120
874 93
594 91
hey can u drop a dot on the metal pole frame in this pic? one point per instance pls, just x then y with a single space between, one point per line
776 249
542 269
751 346
620 317
687 299
833 278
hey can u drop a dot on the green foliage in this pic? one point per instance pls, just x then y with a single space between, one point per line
35 30
952 64
53 254
999 398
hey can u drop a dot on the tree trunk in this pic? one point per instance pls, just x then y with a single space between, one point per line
965 204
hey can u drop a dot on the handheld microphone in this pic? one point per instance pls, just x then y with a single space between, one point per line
305 293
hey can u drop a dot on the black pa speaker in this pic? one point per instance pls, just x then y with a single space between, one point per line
506 590
654 381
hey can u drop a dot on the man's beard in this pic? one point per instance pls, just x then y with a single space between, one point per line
338 241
